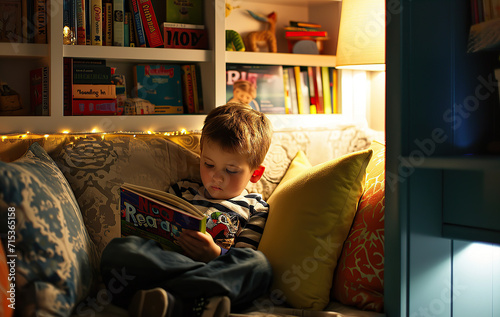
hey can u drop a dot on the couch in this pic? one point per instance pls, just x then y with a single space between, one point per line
324 236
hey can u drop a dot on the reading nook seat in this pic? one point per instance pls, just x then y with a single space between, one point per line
324 235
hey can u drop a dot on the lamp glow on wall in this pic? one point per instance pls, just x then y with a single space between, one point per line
361 43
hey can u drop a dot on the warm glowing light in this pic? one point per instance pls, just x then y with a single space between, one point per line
4 137
149 132
94 130
46 136
183 131
65 132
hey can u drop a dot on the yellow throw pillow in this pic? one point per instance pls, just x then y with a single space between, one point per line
299 164
309 219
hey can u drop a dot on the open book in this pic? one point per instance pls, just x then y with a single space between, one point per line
157 215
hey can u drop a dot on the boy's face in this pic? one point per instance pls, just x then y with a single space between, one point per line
242 96
224 174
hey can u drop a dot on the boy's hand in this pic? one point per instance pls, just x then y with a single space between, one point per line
198 246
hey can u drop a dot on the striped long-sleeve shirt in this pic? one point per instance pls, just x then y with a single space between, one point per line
237 222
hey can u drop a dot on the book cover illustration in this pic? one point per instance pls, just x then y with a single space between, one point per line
185 11
10 21
157 215
260 86
160 84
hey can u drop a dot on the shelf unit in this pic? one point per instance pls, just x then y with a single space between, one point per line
21 58
442 167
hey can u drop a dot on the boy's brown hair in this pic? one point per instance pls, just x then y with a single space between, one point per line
238 128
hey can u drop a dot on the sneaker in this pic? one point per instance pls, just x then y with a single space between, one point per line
219 306
151 303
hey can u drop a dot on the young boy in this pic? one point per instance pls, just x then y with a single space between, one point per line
220 269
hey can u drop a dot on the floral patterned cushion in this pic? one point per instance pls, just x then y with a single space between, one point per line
359 279
56 260
97 166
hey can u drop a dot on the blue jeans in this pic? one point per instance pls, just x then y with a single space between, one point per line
130 264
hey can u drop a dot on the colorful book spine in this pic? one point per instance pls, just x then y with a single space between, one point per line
68 82
40 21
306 34
119 24
87 91
96 22
151 27
197 89
81 24
305 24
93 107
107 22
126 29
318 89
313 100
188 89
298 86
286 84
140 40
334 91
294 109
327 99
39 89
188 36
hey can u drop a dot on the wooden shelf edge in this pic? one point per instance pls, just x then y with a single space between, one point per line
24 50
287 59
137 53
453 162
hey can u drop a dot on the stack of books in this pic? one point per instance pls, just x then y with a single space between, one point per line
308 31
88 88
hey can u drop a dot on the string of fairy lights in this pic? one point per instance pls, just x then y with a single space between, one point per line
29 135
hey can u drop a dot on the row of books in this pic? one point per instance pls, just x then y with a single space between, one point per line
23 21
93 88
484 10
283 90
134 23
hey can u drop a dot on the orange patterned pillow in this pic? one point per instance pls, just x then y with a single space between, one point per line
5 286
359 278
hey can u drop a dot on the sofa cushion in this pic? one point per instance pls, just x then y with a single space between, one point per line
56 260
359 279
309 219
96 166
7 285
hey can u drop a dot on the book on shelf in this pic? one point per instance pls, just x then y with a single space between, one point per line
189 36
139 36
259 86
157 215
313 34
293 89
119 23
161 84
302 88
327 98
185 11
286 85
81 22
94 91
318 88
150 24
137 106
107 22
126 29
188 89
305 24
40 21
10 24
198 91
96 32
39 91
94 107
